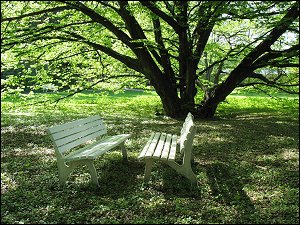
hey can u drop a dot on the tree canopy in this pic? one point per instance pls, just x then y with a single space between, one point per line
181 48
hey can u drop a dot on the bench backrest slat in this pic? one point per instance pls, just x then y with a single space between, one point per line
172 152
72 124
80 134
72 134
185 131
80 141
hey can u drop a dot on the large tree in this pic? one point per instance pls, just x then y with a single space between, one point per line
173 44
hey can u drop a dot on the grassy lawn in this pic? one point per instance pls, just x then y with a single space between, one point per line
246 162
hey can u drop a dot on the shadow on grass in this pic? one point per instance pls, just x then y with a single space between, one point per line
117 178
171 184
14 137
256 149
226 186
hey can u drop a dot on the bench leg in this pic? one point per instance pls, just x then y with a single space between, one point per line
148 167
64 171
93 172
185 170
63 174
124 152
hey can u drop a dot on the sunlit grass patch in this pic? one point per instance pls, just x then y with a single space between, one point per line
7 183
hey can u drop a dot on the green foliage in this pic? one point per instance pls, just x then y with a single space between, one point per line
246 162
59 47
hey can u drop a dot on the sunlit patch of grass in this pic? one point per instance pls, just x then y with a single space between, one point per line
290 154
7 183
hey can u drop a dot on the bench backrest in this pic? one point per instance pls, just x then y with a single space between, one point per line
69 135
187 133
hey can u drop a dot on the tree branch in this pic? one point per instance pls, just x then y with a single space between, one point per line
165 58
162 15
266 59
57 9
85 88
271 85
104 21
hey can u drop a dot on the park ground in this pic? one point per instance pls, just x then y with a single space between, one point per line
246 162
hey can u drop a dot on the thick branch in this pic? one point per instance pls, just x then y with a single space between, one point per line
162 15
135 30
266 59
165 58
244 69
271 85
270 82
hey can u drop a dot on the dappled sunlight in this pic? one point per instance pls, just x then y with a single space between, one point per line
18 114
246 162
254 116
26 152
277 195
220 139
28 129
290 154
167 121
280 139
35 149
264 158
7 183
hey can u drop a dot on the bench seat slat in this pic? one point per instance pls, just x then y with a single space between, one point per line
166 149
97 148
152 145
160 145
143 152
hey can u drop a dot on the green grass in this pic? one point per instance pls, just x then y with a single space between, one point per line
246 162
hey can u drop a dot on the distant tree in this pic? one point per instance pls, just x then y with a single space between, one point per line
180 47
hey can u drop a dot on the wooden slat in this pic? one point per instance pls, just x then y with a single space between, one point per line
172 153
160 145
98 148
82 140
81 134
90 149
152 146
143 152
185 126
75 123
77 129
184 134
166 149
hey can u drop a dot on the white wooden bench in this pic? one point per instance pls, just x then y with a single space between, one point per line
163 147
79 142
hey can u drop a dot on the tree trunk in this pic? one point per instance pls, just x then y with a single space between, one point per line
219 94
169 99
